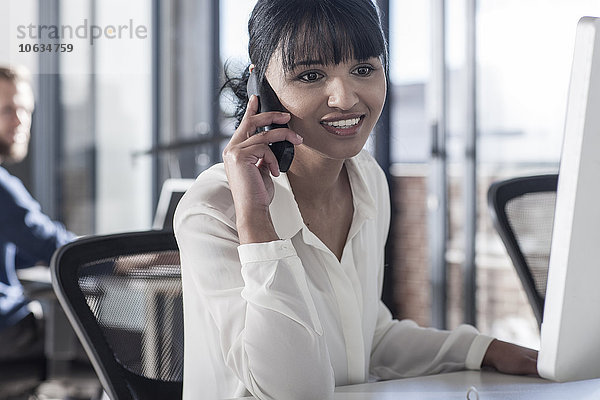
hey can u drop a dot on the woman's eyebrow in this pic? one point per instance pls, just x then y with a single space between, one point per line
312 63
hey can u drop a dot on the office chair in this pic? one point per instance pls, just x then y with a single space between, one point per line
122 294
522 211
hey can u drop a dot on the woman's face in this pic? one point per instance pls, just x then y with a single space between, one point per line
333 107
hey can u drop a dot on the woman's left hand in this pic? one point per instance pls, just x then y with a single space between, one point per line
510 358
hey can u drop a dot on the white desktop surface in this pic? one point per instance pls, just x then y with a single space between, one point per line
489 385
61 345
39 274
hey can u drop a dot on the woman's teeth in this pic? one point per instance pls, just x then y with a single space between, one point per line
345 123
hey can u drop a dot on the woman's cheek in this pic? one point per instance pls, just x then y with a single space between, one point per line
300 106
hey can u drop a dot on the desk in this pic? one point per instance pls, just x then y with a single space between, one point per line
490 386
61 345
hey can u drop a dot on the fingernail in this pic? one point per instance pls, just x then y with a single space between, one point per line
300 138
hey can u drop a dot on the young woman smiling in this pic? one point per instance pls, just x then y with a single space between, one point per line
282 272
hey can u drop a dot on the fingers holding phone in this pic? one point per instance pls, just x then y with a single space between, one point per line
251 144
268 101
255 122
249 162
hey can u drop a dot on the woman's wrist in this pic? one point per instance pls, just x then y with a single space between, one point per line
256 228
490 355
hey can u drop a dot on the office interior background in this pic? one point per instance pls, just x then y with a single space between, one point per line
477 93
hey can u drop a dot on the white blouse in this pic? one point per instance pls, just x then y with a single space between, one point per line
286 319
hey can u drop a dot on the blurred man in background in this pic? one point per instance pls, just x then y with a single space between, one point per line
27 236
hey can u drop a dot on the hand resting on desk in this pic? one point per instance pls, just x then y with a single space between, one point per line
510 358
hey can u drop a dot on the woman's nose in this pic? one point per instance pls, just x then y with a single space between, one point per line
341 94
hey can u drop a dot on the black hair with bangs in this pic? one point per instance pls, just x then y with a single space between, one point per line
309 31
323 31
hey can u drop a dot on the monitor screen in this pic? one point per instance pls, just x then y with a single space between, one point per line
570 347
172 191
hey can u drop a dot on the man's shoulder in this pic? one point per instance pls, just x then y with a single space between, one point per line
12 189
5 176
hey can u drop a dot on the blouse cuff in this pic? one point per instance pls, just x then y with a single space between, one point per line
268 251
477 351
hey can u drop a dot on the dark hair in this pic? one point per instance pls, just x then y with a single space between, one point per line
322 31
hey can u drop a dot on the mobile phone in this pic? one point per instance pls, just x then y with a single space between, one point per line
268 101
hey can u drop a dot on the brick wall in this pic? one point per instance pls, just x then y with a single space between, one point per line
502 307
410 258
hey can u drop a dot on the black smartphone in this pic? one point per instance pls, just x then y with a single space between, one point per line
268 101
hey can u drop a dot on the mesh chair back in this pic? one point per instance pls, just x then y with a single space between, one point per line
122 294
522 210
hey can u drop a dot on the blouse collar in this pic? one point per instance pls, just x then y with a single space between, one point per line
285 213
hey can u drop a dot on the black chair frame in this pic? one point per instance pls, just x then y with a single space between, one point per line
118 382
499 194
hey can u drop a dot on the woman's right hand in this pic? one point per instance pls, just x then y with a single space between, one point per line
249 162
510 358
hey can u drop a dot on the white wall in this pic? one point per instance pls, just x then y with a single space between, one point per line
123 115
122 78
12 14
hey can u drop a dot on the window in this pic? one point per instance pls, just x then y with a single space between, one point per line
410 64
524 57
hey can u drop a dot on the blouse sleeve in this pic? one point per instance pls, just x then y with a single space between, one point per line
258 298
403 349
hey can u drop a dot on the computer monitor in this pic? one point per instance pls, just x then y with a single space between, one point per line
172 191
570 333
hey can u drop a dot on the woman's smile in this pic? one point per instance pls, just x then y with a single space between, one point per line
343 127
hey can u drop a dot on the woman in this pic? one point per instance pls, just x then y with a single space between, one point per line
282 273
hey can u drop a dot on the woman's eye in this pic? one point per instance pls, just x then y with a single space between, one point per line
363 70
310 76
